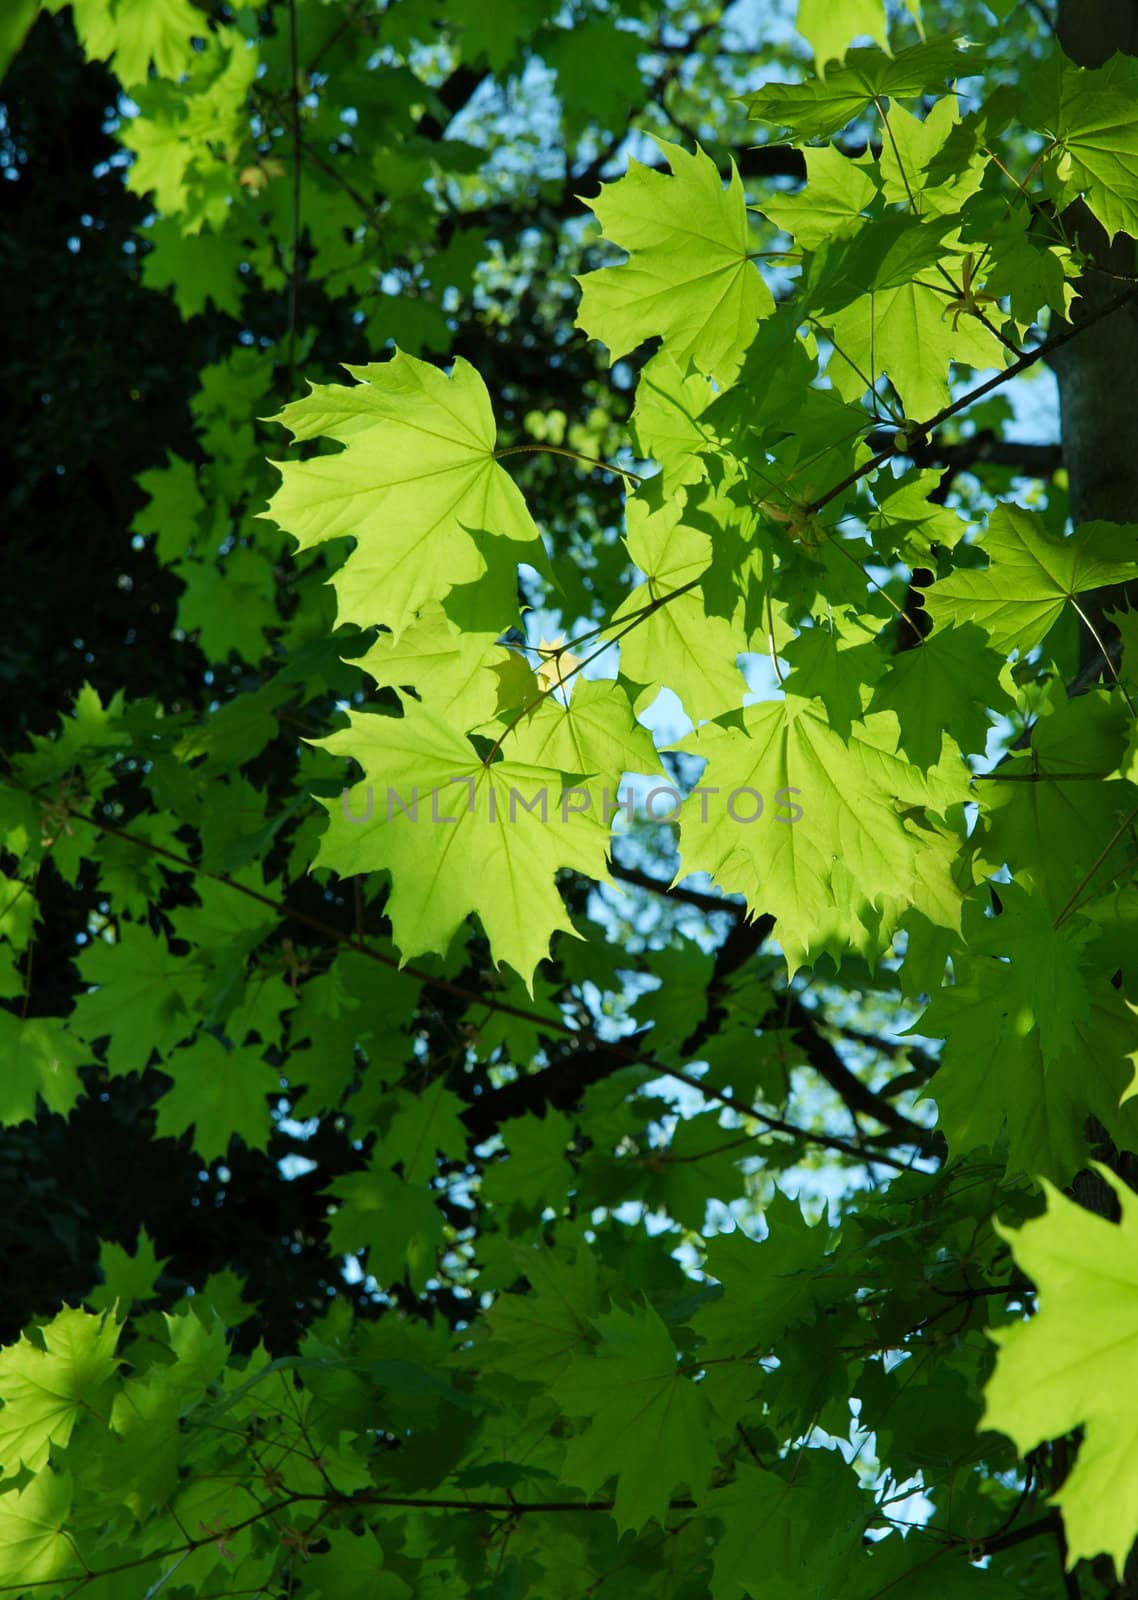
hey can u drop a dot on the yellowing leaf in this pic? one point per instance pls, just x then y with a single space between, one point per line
688 278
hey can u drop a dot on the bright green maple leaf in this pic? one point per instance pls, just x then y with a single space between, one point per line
833 662
158 31
1072 1364
677 645
1031 575
199 268
1090 114
449 668
821 106
40 1060
688 278
830 26
199 1347
907 523
667 421
910 149
418 474
851 847
469 845
830 206
903 330
595 733
46 1389
631 1391
34 1549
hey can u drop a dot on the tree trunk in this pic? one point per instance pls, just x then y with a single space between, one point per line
1100 442
1095 371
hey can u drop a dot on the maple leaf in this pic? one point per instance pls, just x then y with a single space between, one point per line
1090 113
821 106
40 1060
535 1171
673 642
689 278
595 733
901 330
837 191
830 28
141 999
947 684
459 836
398 1224
451 669
417 475
34 1547
786 1536
127 1276
629 1388
668 420
1031 575
820 873
218 1092
535 1336
1071 1365
47 1387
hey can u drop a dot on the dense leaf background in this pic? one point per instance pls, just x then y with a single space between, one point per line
501 402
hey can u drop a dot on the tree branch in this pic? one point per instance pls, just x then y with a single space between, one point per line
1033 460
599 1058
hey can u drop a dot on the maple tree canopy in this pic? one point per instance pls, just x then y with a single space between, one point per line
569 805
